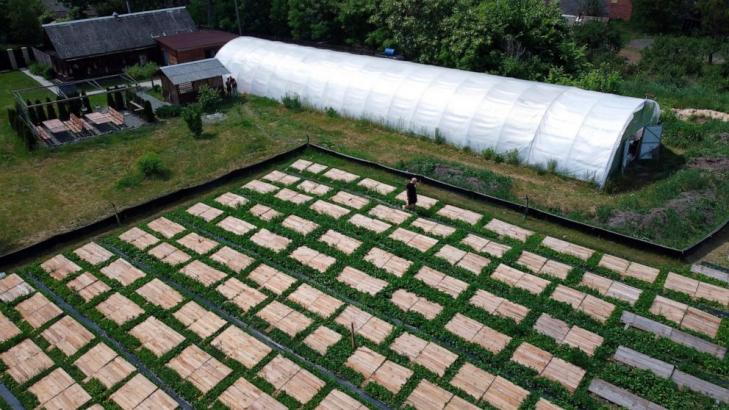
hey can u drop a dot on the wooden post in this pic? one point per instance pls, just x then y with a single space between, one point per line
526 210
116 214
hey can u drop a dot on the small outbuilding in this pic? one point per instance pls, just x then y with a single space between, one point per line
181 82
197 45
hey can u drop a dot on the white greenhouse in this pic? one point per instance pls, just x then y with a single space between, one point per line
587 134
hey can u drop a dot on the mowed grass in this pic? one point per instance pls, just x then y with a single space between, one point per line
52 191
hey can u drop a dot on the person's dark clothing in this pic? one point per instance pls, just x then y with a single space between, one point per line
412 195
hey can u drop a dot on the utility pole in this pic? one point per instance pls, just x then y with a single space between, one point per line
129 8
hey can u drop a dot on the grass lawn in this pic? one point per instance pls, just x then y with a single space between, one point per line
51 191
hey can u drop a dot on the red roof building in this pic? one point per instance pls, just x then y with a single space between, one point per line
198 45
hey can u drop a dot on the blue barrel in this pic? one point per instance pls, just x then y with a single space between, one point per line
390 52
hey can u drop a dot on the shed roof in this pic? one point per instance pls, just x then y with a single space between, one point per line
194 71
196 40
110 34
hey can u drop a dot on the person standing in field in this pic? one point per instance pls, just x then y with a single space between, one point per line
412 194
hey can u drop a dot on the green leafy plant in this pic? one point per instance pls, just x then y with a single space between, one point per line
151 166
512 157
169 111
292 102
208 98
439 137
42 70
142 71
147 112
192 114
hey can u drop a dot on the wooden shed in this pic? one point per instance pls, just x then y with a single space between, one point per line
196 45
181 82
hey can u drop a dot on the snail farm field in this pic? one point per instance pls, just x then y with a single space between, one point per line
309 287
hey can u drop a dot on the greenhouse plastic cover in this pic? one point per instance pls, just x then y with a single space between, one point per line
580 130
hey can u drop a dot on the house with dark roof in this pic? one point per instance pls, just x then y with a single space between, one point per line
198 45
105 45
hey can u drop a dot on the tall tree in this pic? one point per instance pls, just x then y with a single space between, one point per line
23 21
520 38
313 20
662 16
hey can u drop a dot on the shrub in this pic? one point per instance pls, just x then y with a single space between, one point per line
50 110
192 114
151 166
40 113
43 70
208 98
12 118
148 113
85 101
62 110
512 157
292 102
439 137
142 72
169 111
552 166
489 153
332 113
119 100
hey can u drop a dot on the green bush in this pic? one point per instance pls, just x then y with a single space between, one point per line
439 137
43 70
151 166
142 72
552 166
292 102
192 114
489 153
512 157
332 113
148 113
208 98
12 118
169 111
